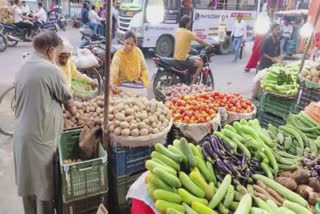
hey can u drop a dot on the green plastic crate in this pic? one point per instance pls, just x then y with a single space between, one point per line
83 179
266 118
119 187
280 107
88 205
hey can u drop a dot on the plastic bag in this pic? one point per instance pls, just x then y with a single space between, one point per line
85 59
89 139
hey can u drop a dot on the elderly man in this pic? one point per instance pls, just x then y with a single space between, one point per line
40 95
68 67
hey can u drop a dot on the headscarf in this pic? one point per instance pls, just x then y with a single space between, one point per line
65 47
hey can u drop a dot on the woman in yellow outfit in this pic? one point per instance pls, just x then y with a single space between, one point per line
68 67
128 64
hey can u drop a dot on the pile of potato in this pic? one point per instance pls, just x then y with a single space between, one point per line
312 75
86 111
137 117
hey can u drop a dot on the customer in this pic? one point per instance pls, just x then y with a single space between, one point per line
40 94
286 33
41 14
239 34
25 8
128 64
68 67
84 14
95 21
18 19
270 51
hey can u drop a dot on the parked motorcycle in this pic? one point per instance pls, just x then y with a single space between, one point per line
87 37
171 73
3 40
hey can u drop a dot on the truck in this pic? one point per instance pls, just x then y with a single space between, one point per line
205 21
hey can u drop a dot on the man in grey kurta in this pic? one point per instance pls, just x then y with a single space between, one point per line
40 94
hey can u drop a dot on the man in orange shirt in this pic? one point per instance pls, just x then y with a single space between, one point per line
183 39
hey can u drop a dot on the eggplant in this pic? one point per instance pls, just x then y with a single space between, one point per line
244 160
219 142
222 166
229 165
206 148
248 173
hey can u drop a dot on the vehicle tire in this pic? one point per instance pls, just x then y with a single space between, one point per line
8 102
3 43
164 79
164 47
226 46
11 43
93 73
208 81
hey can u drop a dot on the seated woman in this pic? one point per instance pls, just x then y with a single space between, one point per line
128 64
68 67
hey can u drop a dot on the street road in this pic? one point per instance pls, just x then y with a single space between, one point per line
229 77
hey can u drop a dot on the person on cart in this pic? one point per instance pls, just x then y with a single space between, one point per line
40 95
69 68
128 64
183 39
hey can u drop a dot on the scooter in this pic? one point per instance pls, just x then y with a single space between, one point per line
55 15
15 34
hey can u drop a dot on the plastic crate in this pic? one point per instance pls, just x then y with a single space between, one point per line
280 107
119 187
307 95
129 160
266 118
83 179
88 205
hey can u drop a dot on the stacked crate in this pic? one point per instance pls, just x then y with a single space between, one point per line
274 110
126 164
306 96
83 185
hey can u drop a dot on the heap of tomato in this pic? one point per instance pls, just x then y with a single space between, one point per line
203 107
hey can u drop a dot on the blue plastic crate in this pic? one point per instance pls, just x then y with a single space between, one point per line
129 160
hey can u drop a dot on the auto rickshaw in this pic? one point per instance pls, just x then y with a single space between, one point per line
297 18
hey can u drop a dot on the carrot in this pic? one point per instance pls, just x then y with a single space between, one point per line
264 191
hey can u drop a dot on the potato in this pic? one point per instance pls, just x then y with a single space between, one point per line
98 110
136 109
129 119
133 126
81 112
111 116
120 116
77 115
146 121
150 129
100 103
125 132
301 176
129 111
116 123
286 174
143 116
313 196
135 132
304 190
144 132
155 131
162 118
117 131
314 183
287 182
94 114
154 125
142 125
124 124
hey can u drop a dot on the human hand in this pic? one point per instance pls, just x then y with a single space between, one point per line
115 89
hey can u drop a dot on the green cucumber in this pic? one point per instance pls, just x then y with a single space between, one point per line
202 184
234 205
188 198
256 210
177 151
165 160
163 205
262 204
203 168
244 205
161 194
284 210
229 196
160 184
211 171
168 178
295 207
185 148
173 211
202 209
273 206
200 152
163 150
188 209
221 192
151 164
222 209
190 185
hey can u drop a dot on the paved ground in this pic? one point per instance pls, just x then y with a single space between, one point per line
229 77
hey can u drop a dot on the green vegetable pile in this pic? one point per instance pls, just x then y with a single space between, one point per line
282 80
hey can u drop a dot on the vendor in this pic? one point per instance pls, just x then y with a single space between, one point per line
128 64
286 33
40 94
68 67
270 50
